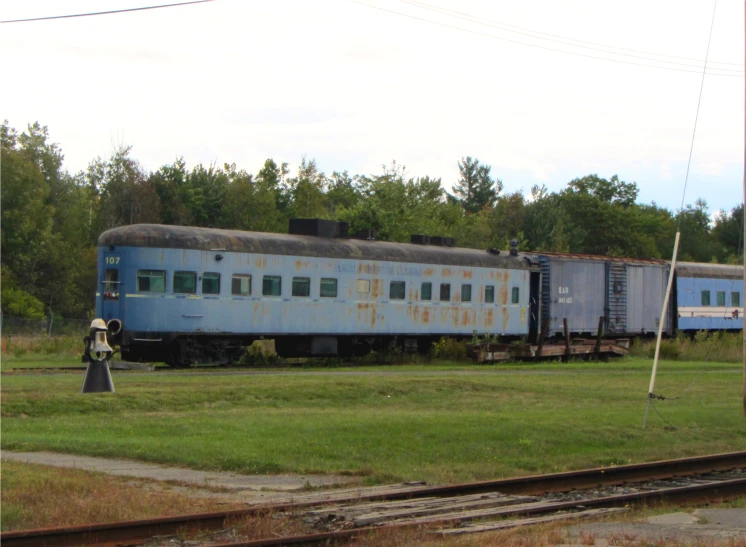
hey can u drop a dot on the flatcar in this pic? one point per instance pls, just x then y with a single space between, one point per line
188 295
709 297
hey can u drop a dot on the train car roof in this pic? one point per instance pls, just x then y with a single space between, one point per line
579 256
211 239
717 271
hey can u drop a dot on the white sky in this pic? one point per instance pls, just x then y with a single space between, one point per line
356 87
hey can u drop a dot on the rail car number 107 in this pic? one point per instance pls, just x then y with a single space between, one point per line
112 259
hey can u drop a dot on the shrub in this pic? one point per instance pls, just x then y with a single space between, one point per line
259 354
703 346
449 348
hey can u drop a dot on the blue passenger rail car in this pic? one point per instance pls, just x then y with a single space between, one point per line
627 292
187 295
709 296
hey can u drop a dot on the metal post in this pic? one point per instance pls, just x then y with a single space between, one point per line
744 225
567 339
600 335
661 324
542 335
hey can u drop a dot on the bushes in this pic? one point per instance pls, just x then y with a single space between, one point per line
261 353
449 348
703 346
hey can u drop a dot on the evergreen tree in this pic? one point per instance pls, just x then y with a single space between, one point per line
476 188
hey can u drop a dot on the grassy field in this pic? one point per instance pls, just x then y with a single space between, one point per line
440 423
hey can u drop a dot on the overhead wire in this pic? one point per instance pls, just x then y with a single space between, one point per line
538 46
90 14
696 118
651 396
559 39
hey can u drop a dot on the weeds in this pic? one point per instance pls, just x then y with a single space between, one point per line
35 496
724 347
261 354
450 348
18 346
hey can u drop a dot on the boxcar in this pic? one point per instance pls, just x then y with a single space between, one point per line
186 295
709 296
628 293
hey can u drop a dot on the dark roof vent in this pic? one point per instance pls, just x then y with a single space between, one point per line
493 251
441 241
318 227
420 239
513 247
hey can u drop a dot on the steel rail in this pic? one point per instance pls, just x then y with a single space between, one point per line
721 490
134 531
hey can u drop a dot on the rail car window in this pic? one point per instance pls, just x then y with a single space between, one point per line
111 285
111 280
271 285
516 295
301 286
397 290
210 283
705 298
426 292
445 292
241 285
721 298
735 299
489 294
328 287
466 293
185 282
363 285
151 281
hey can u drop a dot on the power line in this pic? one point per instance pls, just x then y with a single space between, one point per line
696 118
561 39
577 54
104 12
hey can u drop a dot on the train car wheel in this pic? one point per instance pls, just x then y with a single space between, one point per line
176 357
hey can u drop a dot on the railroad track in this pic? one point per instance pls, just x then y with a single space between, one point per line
348 514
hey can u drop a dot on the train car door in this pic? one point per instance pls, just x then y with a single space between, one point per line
533 306
635 299
111 286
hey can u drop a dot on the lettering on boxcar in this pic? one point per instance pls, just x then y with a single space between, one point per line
345 268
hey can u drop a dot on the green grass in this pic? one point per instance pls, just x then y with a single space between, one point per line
441 423
40 361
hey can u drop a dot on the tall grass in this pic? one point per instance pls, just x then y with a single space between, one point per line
36 496
724 347
18 346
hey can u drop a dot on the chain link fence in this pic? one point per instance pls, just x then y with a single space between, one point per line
42 327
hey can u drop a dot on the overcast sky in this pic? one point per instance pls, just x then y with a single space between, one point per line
355 87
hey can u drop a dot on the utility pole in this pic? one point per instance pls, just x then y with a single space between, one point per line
744 222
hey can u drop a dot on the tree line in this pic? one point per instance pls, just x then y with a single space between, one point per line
51 218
